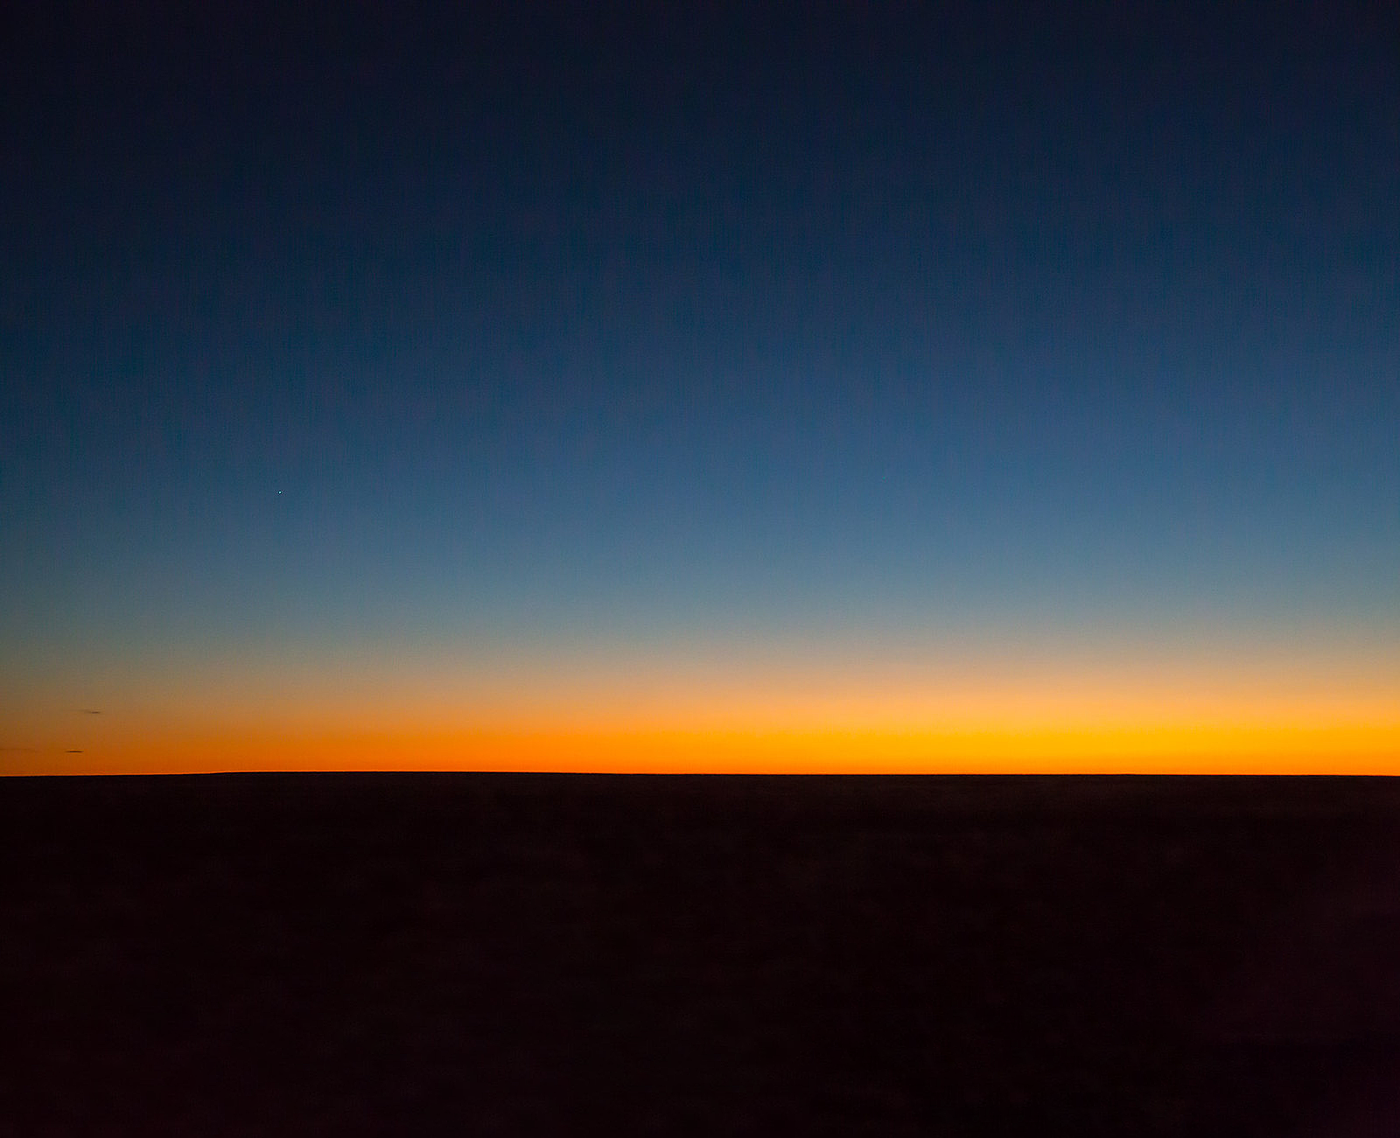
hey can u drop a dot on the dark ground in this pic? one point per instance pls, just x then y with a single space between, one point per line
492 954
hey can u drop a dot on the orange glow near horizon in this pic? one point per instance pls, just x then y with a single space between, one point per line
1103 717
1026 736
1166 750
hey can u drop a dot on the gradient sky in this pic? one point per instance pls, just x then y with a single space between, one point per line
749 387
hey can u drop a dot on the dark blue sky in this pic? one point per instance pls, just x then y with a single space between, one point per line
371 322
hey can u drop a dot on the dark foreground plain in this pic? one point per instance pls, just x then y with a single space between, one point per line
526 954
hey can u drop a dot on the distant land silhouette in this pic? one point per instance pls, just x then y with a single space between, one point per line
540 954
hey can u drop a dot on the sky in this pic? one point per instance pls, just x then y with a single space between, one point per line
700 387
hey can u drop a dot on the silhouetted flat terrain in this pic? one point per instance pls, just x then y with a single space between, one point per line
494 954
